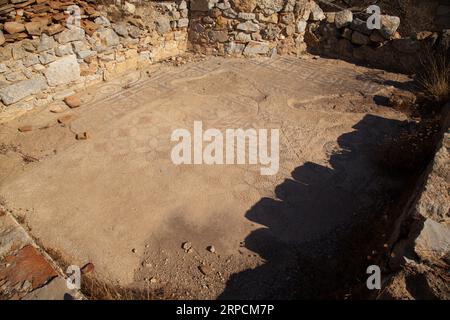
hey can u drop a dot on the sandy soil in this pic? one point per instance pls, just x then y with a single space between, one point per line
118 201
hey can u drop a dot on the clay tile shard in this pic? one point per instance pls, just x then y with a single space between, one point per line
73 101
28 264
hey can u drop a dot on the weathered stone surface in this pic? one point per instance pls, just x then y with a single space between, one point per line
271 32
79 46
163 25
269 7
12 235
18 52
302 9
30 60
47 57
223 5
15 76
433 242
134 32
359 38
246 16
287 18
102 21
218 35
243 37
255 48
55 290
435 200
273 18
34 28
316 12
343 18
64 50
13 27
360 26
120 29
106 38
2 38
69 35
53 29
20 90
3 68
63 71
244 5
234 48
330 17
182 5
86 54
301 26
183 23
248 26
230 13
389 25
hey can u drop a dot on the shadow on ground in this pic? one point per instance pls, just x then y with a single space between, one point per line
322 222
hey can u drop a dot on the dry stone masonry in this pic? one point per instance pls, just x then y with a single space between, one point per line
50 49
251 27
47 51
345 35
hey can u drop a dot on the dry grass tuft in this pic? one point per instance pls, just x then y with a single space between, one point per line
435 74
95 289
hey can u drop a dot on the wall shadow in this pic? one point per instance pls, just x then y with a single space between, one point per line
319 226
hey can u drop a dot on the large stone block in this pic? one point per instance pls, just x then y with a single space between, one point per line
63 71
316 12
16 92
163 25
255 48
69 35
13 27
360 26
248 26
343 18
46 43
270 6
105 38
433 242
218 35
244 5
389 25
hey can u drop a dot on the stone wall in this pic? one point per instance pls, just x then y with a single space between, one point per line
420 255
345 35
46 56
251 27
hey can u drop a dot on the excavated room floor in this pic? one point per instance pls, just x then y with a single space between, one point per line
117 200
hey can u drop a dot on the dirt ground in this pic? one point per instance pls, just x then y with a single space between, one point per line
116 199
